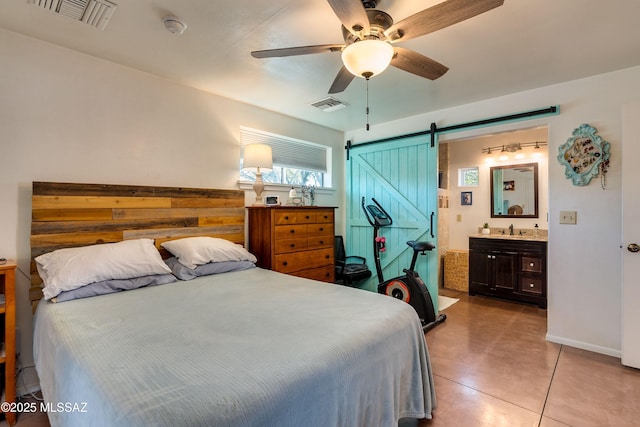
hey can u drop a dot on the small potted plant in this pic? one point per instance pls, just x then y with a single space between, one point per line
486 229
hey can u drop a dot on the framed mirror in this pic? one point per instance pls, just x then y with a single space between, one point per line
514 191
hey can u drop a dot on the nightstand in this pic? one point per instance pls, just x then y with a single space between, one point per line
8 335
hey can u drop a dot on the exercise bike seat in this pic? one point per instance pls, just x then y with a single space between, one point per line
421 246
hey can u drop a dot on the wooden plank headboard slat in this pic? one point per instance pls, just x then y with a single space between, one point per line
191 202
41 215
168 233
216 220
52 227
72 214
175 213
97 202
106 190
75 238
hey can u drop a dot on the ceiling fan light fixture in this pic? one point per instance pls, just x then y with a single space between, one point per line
367 58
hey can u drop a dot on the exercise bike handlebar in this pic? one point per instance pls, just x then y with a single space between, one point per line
371 215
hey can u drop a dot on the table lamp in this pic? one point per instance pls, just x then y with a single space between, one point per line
257 157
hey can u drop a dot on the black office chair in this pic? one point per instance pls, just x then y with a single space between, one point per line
349 269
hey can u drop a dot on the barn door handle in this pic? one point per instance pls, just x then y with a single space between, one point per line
431 227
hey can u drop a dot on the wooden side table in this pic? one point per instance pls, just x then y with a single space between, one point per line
8 335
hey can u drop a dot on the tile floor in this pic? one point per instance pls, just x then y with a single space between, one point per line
492 367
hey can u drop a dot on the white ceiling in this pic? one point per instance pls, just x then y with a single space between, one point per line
521 45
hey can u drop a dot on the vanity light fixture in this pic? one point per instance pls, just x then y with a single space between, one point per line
514 148
489 159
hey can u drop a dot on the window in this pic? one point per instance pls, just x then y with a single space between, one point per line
295 162
468 177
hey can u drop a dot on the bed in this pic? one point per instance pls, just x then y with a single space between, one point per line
248 347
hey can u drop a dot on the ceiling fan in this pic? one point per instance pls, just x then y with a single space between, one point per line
370 34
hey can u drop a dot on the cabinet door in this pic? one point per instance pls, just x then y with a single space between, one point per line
480 270
504 265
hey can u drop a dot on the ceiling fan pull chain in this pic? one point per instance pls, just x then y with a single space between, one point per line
367 110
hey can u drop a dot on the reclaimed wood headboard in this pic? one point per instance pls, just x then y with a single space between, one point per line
67 215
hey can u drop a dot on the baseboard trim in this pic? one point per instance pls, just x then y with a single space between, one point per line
584 346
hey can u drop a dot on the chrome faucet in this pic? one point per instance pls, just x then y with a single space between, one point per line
511 230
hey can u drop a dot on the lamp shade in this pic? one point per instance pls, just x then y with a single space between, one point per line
367 58
258 156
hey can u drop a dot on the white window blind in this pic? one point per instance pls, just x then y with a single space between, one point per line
288 152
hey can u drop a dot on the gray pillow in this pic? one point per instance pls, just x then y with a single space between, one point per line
114 285
185 273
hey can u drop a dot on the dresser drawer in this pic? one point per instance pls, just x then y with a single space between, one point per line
324 216
324 274
531 264
294 217
322 241
290 231
321 229
296 261
291 245
531 285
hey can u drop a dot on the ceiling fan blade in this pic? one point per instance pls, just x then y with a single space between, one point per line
439 16
415 63
341 81
352 15
300 50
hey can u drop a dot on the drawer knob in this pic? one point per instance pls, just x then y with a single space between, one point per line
322 242
307 217
286 217
284 263
531 285
321 228
327 256
531 264
293 231
293 245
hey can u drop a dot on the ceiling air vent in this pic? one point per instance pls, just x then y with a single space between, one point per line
93 12
329 104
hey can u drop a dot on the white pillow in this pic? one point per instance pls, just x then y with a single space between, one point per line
67 269
194 251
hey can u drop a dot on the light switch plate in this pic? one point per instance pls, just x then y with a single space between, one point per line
568 217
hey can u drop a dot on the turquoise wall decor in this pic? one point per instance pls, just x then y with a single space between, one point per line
584 155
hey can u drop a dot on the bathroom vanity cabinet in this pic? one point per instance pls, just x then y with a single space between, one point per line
509 268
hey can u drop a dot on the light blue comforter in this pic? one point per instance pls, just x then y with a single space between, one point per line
248 348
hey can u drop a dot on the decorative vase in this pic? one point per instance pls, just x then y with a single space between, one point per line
486 231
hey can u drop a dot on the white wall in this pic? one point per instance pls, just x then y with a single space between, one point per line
583 260
65 116
69 117
465 153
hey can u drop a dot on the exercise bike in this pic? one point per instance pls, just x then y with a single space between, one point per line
409 288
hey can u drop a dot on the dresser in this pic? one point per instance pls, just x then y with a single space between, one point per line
294 240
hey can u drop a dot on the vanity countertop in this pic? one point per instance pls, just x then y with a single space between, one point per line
509 237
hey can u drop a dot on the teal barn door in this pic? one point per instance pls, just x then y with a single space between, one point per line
402 176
